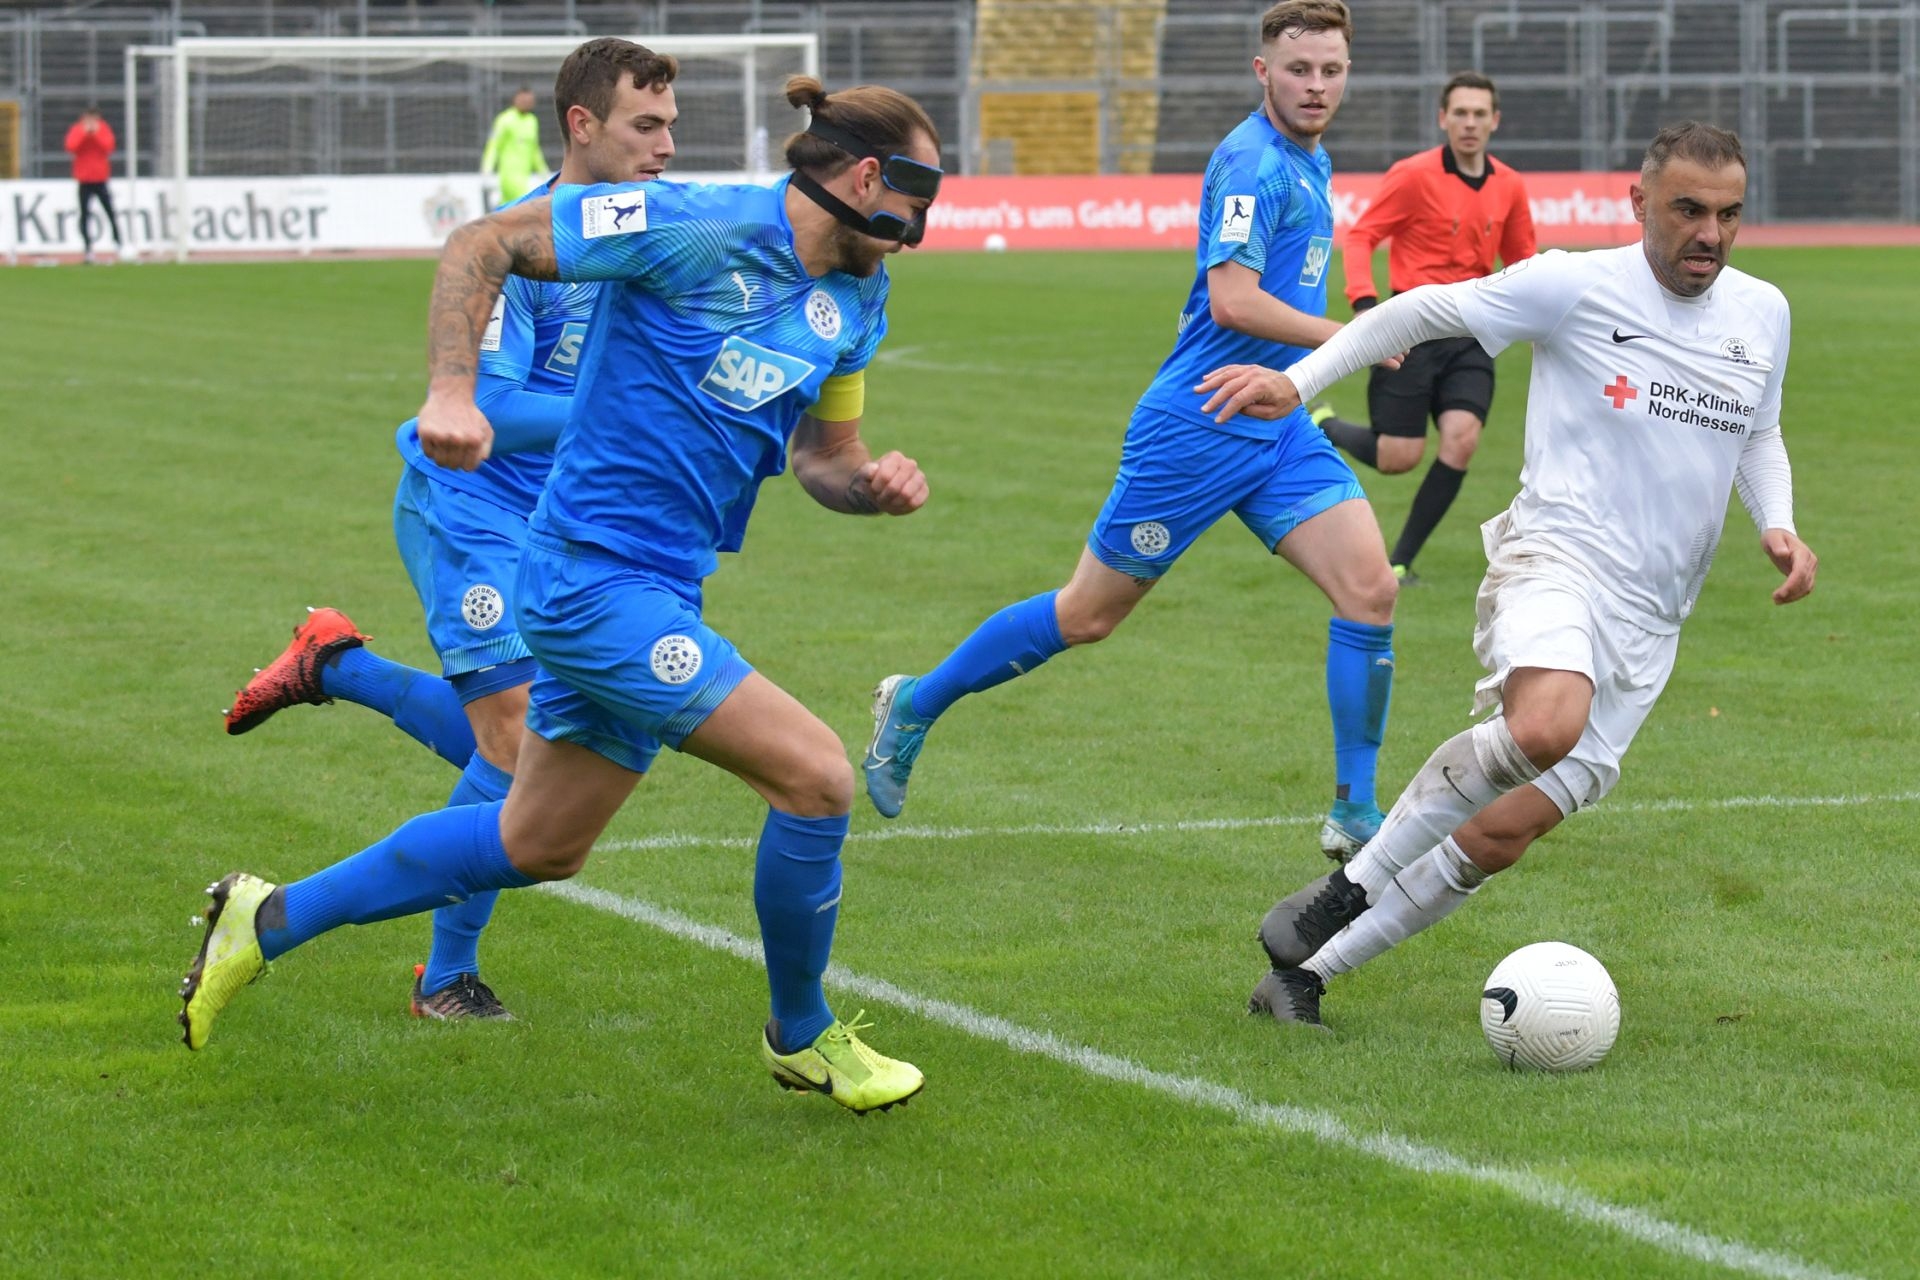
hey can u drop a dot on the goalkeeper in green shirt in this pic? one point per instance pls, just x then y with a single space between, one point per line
513 149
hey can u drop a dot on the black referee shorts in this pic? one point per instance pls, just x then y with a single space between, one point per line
1447 373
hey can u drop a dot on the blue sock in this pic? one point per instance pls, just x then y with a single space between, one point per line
796 892
457 926
445 856
424 706
1359 686
1011 643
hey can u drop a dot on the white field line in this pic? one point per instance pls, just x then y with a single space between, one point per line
682 840
1403 1153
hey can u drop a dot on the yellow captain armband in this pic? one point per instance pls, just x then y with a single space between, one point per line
841 399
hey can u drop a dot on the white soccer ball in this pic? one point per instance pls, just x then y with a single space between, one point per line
1550 1007
996 243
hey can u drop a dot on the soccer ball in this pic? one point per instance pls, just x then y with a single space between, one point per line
995 243
1550 1007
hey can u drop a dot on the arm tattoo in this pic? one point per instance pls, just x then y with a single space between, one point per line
859 498
474 265
533 254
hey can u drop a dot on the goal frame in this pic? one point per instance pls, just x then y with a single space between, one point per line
173 64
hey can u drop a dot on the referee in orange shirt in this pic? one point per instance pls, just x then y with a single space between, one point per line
1447 211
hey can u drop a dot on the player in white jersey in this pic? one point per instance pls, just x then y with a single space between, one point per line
1656 389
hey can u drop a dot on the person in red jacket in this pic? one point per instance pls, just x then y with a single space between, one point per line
91 142
1447 211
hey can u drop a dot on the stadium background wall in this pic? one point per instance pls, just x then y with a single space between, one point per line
1825 96
414 213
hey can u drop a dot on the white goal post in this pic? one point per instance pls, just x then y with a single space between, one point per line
302 144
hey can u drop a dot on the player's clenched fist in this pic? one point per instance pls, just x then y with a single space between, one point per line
1251 389
893 483
454 433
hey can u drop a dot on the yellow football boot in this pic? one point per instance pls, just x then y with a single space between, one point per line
229 955
842 1066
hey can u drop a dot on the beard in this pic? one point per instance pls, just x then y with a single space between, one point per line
856 253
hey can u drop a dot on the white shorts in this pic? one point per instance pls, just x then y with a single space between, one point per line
1537 612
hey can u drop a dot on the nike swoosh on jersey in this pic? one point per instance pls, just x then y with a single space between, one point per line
1629 337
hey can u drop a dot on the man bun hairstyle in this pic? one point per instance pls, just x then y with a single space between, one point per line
1305 17
1704 144
886 119
591 75
1469 80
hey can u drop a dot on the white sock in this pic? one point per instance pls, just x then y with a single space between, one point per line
1470 771
1418 898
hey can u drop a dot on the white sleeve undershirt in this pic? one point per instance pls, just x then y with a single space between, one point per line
1764 480
1399 324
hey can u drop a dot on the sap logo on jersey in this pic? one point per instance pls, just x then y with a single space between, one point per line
565 359
746 375
1319 253
614 215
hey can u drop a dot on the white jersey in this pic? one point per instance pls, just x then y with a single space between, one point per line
1640 406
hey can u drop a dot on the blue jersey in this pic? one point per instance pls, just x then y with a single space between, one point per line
700 361
532 348
1265 204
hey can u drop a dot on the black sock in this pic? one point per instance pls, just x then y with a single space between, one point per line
1436 494
1355 438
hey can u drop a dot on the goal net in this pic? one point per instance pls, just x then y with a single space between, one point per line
298 145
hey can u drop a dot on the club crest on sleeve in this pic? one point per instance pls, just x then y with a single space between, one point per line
490 340
618 214
1236 219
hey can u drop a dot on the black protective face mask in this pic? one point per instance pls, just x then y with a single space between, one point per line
897 172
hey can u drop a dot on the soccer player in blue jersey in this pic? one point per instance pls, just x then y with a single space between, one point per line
730 341
1266 225
461 533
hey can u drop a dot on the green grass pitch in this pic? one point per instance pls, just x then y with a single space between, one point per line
195 453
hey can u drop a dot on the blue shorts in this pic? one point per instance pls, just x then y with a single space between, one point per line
1177 478
463 554
626 663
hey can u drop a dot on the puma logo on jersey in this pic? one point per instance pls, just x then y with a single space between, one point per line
747 289
565 357
746 375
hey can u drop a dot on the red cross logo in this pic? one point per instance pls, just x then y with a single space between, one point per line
1620 392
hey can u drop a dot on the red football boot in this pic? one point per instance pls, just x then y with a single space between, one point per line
294 676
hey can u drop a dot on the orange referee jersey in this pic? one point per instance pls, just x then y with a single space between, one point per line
1444 227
